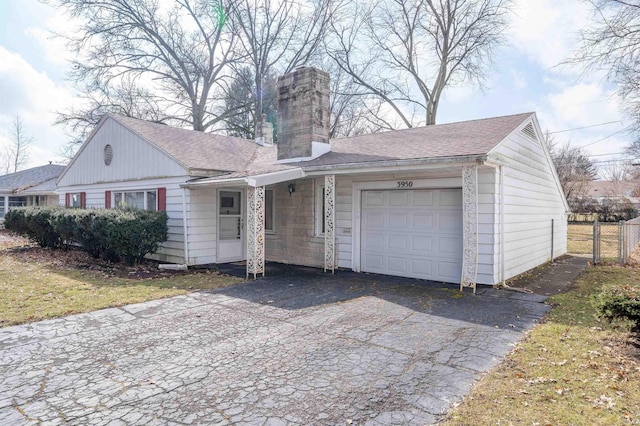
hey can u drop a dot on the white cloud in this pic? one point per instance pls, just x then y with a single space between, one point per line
547 30
35 98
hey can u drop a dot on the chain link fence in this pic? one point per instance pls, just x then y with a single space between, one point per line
615 242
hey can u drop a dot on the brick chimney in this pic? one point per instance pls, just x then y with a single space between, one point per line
303 115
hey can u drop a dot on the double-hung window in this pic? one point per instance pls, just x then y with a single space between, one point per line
143 200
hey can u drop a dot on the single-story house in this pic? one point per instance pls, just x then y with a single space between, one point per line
470 202
30 187
616 191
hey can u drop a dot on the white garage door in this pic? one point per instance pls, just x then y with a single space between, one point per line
412 233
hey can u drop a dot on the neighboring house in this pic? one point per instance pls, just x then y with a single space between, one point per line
616 191
31 187
469 202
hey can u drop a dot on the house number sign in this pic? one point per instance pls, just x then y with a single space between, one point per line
405 184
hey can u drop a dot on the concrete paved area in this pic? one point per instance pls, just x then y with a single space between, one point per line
308 348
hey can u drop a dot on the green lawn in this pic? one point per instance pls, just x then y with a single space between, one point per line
570 370
38 284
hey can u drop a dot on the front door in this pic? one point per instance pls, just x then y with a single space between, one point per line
230 226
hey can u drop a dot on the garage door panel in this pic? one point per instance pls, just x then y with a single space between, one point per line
422 243
413 233
373 262
449 222
397 265
449 271
374 241
397 243
373 219
398 198
373 199
422 198
422 220
450 197
421 268
398 220
451 246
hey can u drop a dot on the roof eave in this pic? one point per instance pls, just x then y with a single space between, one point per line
431 162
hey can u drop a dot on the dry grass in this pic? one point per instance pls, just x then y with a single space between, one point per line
570 370
37 284
580 239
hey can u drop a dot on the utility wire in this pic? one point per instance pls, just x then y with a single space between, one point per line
585 127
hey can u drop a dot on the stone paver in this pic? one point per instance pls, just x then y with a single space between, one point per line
308 348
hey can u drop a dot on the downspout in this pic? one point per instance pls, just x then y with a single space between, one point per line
185 226
502 261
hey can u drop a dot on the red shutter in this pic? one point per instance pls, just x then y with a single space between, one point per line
67 199
162 199
107 199
83 200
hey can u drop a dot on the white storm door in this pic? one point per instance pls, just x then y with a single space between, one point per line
230 226
412 233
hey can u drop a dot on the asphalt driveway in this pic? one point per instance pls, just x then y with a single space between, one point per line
307 348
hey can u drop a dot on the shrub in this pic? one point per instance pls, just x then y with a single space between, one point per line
110 234
617 302
134 233
35 223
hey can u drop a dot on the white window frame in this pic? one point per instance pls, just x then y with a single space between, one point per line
72 200
273 211
145 191
319 209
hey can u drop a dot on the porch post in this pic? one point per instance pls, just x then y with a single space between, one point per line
469 227
329 222
255 231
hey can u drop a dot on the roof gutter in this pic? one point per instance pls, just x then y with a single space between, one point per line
252 181
409 164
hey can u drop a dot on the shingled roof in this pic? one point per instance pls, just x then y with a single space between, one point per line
194 150
25 179
242 157
475 137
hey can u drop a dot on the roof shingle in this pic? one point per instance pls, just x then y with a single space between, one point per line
28 178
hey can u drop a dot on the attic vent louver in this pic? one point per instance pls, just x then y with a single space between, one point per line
108 154
529 132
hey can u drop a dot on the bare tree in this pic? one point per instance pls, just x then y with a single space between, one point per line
407 52
126 98
575 168
277 36
16 154
178 53
612 43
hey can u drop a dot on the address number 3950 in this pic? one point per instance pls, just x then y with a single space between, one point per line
405 183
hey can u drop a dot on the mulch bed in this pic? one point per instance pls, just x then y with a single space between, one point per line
21 249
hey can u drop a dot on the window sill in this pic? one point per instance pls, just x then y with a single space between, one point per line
319 239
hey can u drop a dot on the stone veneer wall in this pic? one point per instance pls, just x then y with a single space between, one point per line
294 240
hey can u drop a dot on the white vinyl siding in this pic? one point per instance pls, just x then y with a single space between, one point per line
133 158
531 200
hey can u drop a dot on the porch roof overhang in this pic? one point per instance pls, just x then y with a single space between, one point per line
341 168
252 181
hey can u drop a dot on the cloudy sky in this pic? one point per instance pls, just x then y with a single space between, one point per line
526 78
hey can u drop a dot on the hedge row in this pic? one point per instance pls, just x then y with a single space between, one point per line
112 234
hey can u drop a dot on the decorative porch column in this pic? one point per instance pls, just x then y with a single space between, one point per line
469 227
255 231
329 223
